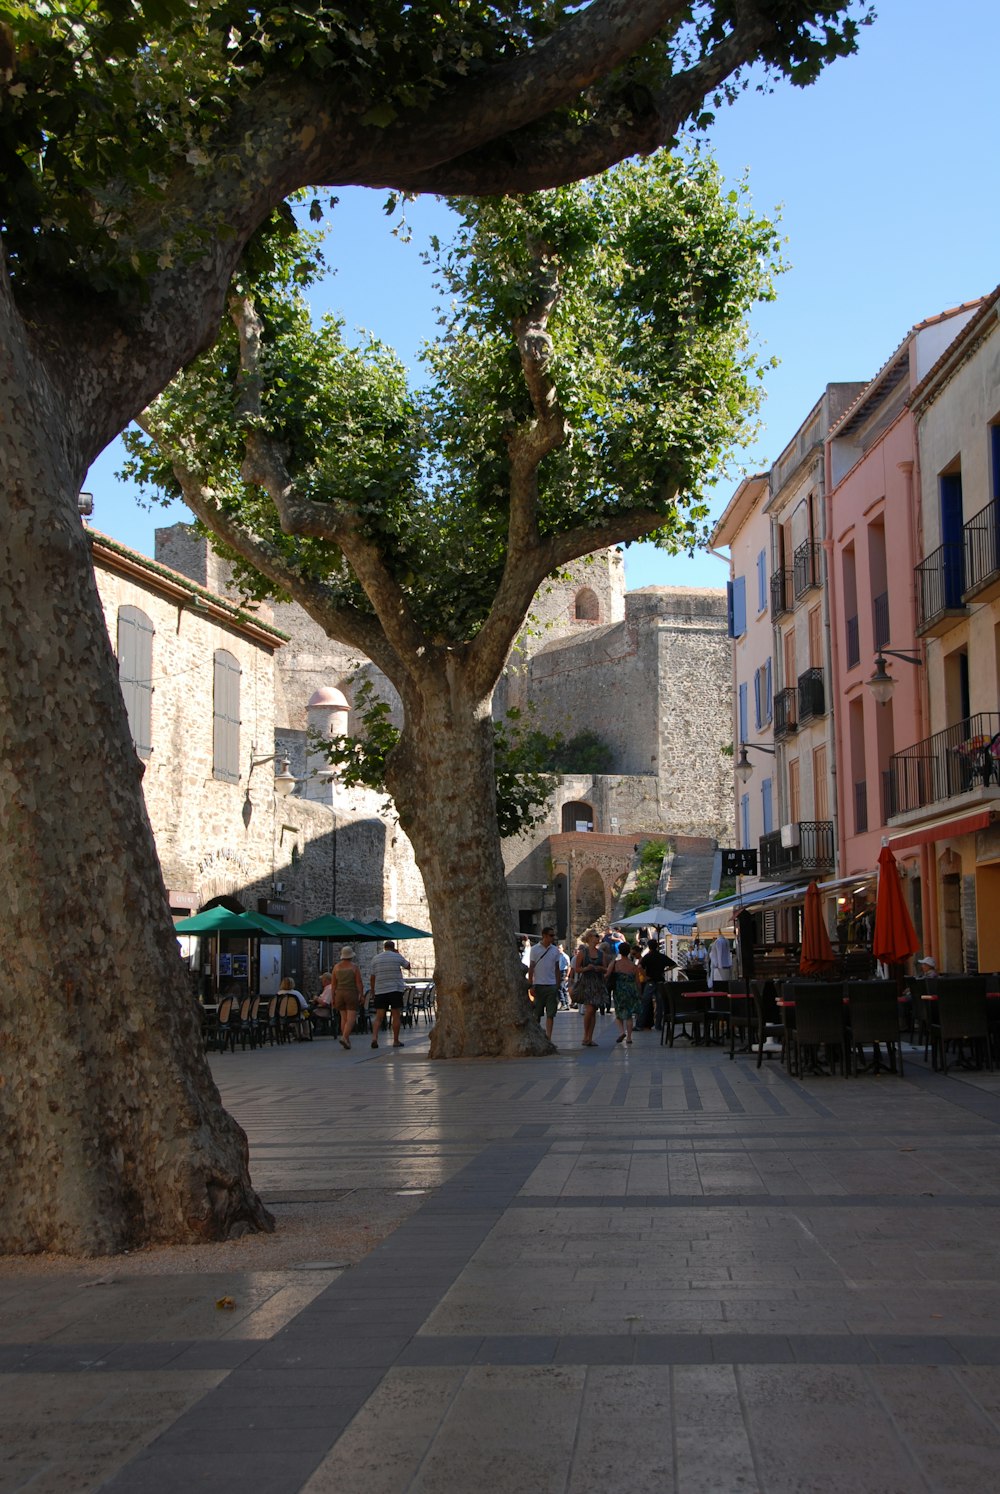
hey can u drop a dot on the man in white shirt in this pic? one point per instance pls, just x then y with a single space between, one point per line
720 962
389 989
544 975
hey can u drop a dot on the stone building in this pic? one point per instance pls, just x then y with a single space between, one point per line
204 697
647 671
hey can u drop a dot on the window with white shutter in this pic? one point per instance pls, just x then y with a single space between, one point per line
135 674
226 741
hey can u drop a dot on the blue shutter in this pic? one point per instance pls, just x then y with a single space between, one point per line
135 674
739 606
767 806
768 693
757 684
762 581
745 820
743 713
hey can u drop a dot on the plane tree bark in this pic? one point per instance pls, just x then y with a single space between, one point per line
138 158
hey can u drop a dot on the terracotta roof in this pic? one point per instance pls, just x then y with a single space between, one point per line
968 333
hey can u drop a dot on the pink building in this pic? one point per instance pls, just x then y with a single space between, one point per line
873 547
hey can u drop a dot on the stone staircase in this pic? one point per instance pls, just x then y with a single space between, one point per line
687 879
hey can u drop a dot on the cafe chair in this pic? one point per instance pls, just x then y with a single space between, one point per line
293 1022
770 1026
243 1028
960 1017
226 1018
819 1023
873 1017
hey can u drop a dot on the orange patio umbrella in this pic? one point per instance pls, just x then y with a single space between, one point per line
817 955
895 937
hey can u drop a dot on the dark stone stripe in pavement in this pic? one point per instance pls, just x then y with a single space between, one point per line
728 1093
764 1093
803 1201
428 1351
692 1095
204 1450
951 1087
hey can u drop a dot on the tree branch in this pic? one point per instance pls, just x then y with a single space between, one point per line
264 466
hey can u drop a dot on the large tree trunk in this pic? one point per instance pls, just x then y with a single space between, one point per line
442 782
114 1133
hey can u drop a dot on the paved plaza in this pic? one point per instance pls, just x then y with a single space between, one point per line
630 1269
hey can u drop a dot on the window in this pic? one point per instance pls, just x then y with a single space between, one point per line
815 638
821 785
135 674
226 701
762 581
736 595
794 798
745 821
767 805
587 608
743 713
762 695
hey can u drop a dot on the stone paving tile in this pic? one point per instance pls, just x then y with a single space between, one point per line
663 1269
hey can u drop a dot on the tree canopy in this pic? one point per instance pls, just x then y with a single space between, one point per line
591 369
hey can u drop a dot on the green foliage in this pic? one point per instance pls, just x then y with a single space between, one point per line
523 786
642 893
657 266
105 105
584 753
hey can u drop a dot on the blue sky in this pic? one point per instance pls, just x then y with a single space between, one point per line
885 172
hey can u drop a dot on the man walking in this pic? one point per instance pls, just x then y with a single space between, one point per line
388 989
544 974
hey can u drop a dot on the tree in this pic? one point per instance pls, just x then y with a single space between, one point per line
591 370
142 144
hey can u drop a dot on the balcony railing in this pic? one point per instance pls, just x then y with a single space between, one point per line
781 593
786 712
811 695
962 757
813 852
860 807
880 619
807 568
982 551
940 579
853 643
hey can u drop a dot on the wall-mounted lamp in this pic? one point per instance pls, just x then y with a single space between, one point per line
882 683
284 781
85 505
744 767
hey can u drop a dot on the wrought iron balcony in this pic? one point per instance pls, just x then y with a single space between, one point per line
786 712
807 568
812 701
940 580
982 553
812 853
853 642
781 593
961 758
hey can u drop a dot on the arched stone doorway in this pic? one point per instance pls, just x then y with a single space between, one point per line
577 816
587 608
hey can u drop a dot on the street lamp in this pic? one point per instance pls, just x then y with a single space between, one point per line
744 767
882 683
284 781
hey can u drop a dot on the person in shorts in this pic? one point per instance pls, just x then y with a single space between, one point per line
388 990
545 973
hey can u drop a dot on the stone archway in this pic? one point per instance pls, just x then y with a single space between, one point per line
590 899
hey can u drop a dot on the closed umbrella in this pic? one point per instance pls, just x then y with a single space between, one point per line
817 957
895 938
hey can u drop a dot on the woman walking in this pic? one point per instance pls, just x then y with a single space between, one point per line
348 993
627 1000
589 990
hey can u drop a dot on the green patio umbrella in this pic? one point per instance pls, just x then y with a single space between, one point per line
331 927
249 925
407 931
